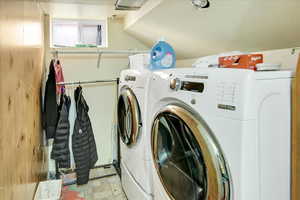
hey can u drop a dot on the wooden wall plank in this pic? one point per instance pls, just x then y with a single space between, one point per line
21 65
296 136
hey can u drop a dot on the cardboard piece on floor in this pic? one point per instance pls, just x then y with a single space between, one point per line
49 190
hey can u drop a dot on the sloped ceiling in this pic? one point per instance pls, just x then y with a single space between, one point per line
227 25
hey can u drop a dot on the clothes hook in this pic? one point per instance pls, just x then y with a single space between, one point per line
131 53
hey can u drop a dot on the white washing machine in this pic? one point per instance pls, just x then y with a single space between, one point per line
220 134
135 160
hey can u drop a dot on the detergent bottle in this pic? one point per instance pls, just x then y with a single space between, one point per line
162 56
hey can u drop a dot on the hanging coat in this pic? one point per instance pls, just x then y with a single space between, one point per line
60 151
50 106
59 77
83 141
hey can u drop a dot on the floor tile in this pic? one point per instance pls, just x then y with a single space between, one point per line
108 188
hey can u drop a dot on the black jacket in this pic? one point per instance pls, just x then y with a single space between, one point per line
83 141
60 151
50 105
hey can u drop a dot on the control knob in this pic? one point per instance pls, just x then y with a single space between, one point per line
175 84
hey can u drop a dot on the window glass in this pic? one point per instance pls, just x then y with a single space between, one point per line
124 120
129 118
179 159
90 34
65 35
78 33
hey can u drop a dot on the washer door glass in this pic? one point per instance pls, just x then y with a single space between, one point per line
189 162
129 116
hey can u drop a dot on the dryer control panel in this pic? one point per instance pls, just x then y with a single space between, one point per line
177 84
192 86
130 78
226 95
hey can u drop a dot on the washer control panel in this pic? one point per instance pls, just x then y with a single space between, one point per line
226 95
130 78
186 85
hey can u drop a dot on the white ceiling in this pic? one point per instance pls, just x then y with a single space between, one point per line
82 9
98 2
246 25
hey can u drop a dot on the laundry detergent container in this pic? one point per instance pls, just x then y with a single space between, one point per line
162 56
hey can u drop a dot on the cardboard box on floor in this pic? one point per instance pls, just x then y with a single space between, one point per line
49 190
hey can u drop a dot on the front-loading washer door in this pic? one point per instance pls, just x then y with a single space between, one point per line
187 157
129 116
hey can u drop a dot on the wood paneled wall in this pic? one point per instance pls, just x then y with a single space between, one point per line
296 136
21 68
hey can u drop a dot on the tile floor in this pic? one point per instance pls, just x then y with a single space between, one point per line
108 188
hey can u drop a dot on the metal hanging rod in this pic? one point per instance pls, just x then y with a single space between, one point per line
87 82
97 52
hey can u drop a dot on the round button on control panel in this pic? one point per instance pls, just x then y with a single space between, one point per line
175 84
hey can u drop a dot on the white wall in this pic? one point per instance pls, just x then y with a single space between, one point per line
185 62
101 98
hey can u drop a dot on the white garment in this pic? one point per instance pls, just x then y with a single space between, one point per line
72 117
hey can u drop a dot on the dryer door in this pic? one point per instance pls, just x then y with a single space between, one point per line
188 159
129 116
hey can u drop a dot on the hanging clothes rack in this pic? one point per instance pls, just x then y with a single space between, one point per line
88 82
55 53
115 163
97 51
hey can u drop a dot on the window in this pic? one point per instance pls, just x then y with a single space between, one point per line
179 158
79 33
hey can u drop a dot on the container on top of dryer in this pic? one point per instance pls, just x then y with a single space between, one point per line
139 61
240 126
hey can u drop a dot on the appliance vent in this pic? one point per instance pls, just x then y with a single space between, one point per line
129 4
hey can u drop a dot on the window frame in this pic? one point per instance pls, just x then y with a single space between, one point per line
81 23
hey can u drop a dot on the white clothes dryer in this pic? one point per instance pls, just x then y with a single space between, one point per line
135 165
220 134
